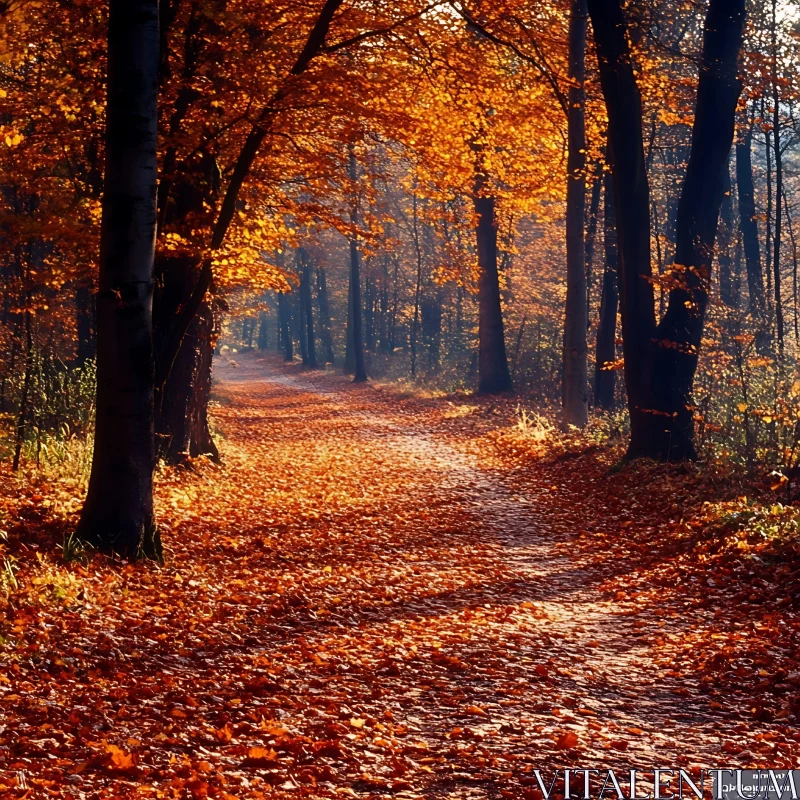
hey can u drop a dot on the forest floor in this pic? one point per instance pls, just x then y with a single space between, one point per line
378 595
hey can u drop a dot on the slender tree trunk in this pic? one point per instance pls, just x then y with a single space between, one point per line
22 415
493 373
768 221
118 512
299 319
793 241
369 312
575 377
748 223
324 315
263 332
356 321
776 137
385 340
285 322
395 305
85 324
308 307
417 289
606 354
591 235
726 245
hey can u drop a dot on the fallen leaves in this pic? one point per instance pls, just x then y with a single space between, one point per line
377 601
567 740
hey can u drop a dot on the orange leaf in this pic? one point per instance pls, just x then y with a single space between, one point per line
567 740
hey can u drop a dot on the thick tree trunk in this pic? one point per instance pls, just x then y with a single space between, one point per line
632 204
679 335
356 320
118 512
575 371
605 379
181 418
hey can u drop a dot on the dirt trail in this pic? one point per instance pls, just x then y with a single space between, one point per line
371 598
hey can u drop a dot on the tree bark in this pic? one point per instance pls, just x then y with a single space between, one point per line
118 513
493 374
606 353
575 370
181 417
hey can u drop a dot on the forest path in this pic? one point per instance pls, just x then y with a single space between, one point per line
457 584
375 596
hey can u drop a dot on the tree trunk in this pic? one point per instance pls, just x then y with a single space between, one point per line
385 338
118 513
263 332
632 205
356 325
591 235
308 309
726 246
417 288
285 322
325 315
181 417
679 335
85 324
748 224
575 390
605 379
493 373
776 137
22 414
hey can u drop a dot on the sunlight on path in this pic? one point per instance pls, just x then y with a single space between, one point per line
561 657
